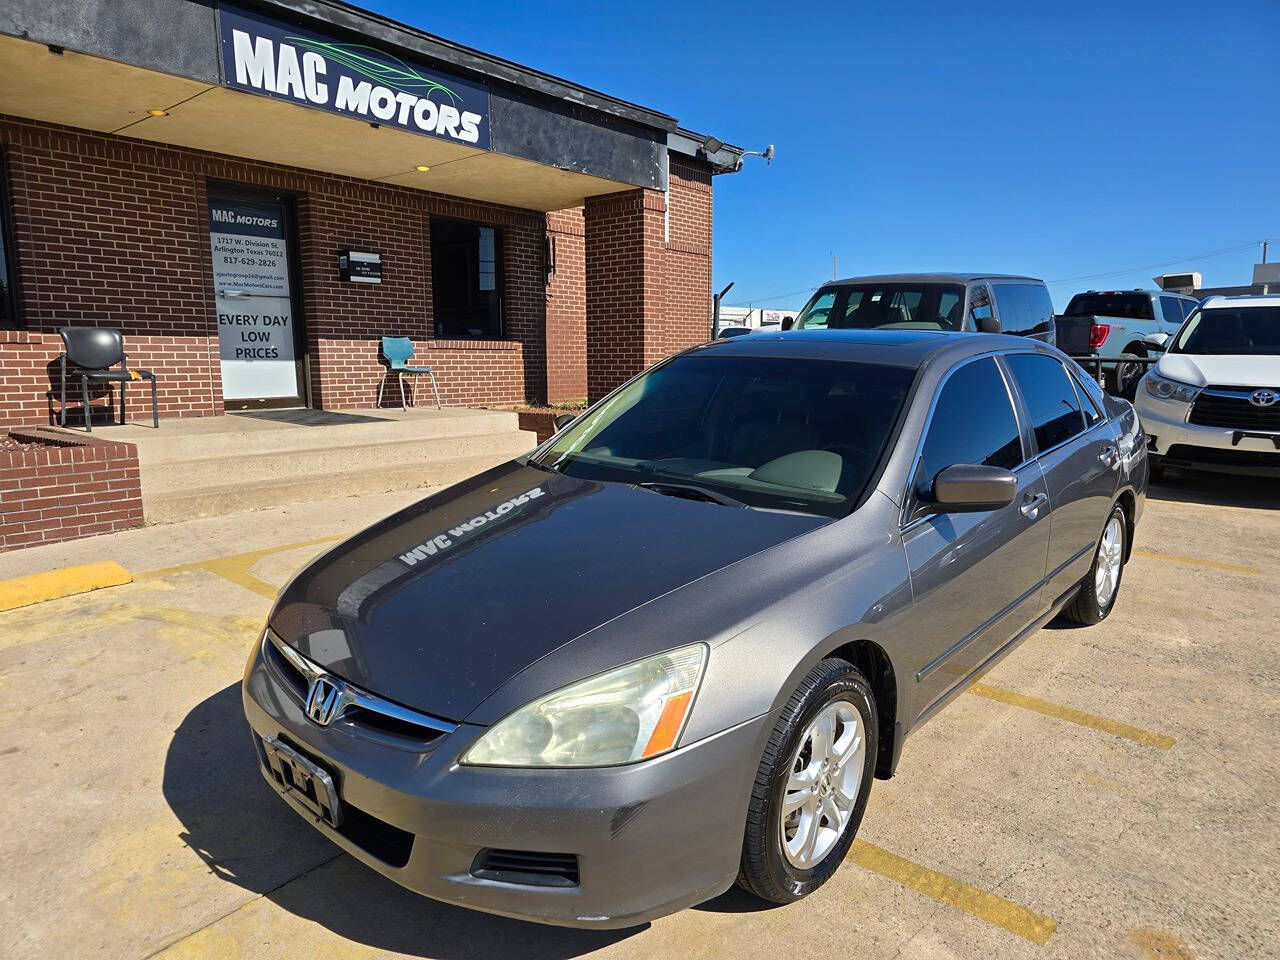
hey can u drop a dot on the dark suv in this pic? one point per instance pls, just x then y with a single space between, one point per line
974 302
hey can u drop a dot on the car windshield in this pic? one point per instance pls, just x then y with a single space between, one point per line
767 432
888 306
1131 306
1240 331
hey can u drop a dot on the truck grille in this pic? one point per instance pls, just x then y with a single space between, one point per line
1231 408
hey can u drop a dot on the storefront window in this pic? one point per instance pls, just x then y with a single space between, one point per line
466 279
8 295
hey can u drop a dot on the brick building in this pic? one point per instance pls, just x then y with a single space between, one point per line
256 192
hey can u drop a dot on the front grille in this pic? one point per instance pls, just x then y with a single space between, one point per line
358 709
1231 408
525 867
1184 453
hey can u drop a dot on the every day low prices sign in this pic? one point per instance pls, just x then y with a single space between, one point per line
287 62
254 304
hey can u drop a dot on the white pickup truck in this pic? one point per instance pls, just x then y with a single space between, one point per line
1126 324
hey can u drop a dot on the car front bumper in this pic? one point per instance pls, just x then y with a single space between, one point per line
650 838
1173 441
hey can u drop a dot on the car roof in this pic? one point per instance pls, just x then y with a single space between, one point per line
927 278
1242 300
1136 290
899 348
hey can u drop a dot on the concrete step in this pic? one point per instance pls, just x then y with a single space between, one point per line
206 438
220 499
170 476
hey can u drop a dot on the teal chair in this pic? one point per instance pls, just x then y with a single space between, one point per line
398 351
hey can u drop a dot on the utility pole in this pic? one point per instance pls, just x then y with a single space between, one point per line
1264 250
715 309
834 275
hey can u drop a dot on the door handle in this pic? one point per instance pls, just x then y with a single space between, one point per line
1031 505
1108 457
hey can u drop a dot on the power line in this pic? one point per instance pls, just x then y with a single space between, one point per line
770 299
1153 266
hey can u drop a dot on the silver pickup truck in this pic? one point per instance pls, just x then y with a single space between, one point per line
1124 324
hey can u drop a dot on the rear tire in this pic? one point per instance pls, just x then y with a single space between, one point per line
1098 592
782 858
1122 378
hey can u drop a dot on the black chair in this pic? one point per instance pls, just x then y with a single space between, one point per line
95 350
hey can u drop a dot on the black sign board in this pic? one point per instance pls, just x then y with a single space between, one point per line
357 266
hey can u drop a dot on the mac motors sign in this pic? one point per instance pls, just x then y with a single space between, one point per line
286 62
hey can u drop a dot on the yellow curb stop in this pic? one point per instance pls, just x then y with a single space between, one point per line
63 582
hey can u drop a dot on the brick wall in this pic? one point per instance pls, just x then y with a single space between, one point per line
62 487
649 273
111 231
567 308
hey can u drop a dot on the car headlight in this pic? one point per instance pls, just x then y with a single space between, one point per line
630 713
1167 389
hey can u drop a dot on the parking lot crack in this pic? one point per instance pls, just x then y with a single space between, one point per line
169 944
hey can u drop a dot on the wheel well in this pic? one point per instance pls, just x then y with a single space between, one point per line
1127 503
874 663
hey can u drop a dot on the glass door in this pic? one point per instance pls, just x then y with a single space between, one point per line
260 340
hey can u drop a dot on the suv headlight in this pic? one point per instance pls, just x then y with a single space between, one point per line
630 713
1166 389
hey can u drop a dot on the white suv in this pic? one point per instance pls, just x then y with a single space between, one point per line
1213 401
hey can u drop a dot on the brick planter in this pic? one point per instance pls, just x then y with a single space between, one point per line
56 486
543 422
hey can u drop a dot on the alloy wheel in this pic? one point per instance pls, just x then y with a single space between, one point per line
822 785
1106 574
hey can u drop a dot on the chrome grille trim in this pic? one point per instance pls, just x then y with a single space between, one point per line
350 697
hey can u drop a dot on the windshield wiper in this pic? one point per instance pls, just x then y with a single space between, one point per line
690 491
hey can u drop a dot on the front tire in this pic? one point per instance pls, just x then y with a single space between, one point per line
812 786
1100 588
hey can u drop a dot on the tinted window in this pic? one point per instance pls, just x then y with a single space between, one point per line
1051 400
768 431
1092 412
1171 307
1242 331
1025 308
903 306
466 279
1132 306
979 305
973 422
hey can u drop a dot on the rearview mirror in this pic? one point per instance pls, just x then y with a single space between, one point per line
564 420
788 323
970 488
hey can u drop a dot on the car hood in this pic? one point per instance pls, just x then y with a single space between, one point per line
440 604
1224 371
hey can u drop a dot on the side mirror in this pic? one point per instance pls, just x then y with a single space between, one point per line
970 488
988 325
788 323
564 420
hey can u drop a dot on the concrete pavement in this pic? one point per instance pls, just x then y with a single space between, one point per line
1106 792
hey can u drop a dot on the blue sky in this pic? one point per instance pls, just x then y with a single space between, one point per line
1059 140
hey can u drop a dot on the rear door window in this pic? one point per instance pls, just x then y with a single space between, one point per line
973 422
1051 400
1171 307
1009 307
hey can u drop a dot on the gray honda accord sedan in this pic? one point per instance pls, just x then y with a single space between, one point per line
672 647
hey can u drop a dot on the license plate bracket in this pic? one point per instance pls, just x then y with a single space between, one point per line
303 781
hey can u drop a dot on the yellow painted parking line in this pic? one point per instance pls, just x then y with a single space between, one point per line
63 582
995 910
1114 727
1199 562
235 567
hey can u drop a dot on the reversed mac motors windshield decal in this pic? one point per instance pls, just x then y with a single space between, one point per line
280 60
445 541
